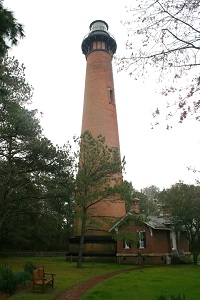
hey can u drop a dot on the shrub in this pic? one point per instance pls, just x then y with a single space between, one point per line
8 284
22 278
29 267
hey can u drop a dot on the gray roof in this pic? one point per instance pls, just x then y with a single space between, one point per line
155 222
158 222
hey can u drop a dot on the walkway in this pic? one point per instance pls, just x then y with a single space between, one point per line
76 292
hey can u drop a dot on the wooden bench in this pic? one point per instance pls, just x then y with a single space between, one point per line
42 279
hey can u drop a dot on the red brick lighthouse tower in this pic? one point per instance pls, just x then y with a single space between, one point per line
99 111
100 117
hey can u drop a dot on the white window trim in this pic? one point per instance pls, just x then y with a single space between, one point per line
127 245
141 242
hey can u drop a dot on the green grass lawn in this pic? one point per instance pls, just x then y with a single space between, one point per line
67 275
145 284
149 283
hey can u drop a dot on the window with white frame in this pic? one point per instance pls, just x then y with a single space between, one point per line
127 245
142 240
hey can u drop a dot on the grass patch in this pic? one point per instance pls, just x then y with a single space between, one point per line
149 284
145 284
67 275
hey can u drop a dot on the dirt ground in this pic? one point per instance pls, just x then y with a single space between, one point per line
76 292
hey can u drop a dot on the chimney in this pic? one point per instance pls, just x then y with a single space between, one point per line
135 206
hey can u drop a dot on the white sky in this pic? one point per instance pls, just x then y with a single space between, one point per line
55 66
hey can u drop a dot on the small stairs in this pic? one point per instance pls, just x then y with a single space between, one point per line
184 259
180 257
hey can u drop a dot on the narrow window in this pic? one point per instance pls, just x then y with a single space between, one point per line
103 45
127 245
142 240
111 96
94 45
98 44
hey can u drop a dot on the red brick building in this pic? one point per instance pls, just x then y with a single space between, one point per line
99 108
157 243
100 118
156 234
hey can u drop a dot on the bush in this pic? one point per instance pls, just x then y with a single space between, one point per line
29 267
8 284
22 278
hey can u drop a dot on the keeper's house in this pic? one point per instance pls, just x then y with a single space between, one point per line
158 243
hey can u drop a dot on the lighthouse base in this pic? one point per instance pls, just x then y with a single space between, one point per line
96 248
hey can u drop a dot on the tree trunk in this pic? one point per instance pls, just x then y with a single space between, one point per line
81 246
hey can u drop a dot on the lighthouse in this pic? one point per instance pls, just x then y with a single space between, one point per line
99 110
100 118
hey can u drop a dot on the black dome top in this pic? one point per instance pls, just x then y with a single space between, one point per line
98 33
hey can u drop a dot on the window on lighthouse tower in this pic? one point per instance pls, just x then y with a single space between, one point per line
111 96
99 45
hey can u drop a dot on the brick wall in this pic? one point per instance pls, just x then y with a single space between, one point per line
157 243
99 115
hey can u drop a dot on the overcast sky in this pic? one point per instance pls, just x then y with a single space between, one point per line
55 66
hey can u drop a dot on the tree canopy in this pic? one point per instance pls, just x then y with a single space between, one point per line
164 35
97 180
148 198
10 30
182 203
36 177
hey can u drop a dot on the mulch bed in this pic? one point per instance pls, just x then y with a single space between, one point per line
76 292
